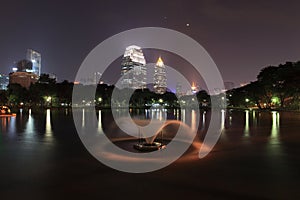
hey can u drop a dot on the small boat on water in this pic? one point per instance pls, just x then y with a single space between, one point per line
6 112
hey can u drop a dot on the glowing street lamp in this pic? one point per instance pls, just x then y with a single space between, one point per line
48 99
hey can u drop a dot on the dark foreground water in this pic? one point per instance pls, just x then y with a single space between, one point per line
257 156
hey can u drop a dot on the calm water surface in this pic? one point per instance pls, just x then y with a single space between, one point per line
257 156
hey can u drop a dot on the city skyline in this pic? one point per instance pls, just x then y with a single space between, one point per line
237 44
186 99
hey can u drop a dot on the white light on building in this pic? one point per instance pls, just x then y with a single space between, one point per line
160 78
133 69
36 59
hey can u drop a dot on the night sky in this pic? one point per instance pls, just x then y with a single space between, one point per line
241 36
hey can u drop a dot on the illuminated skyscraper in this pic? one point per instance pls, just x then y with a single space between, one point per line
160 78
133 68
36 59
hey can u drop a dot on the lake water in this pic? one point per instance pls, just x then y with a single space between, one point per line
257 156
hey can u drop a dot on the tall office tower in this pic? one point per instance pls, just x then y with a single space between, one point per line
36 59
97 78
23 66
133 68
160 78
179 92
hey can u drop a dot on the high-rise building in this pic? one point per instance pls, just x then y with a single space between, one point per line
160 78
36 59
179 92
97 78
133 69
23 65
4 81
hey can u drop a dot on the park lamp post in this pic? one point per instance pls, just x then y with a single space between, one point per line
49 100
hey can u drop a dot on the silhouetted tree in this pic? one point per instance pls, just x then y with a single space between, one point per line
45 78
17 94
3 97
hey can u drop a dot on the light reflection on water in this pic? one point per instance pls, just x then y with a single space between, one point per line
228 120
203 118
48 132
254 118
29 126
12 124
246 131
240 123
223 119
183 116
159 114
100 130
275 127
83 118
193 120
268 160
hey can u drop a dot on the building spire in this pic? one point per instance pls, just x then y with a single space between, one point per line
160 78
160 62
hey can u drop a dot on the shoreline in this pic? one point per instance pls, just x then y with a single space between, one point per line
37 108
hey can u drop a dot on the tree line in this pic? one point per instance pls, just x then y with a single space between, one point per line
275 87
48 93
